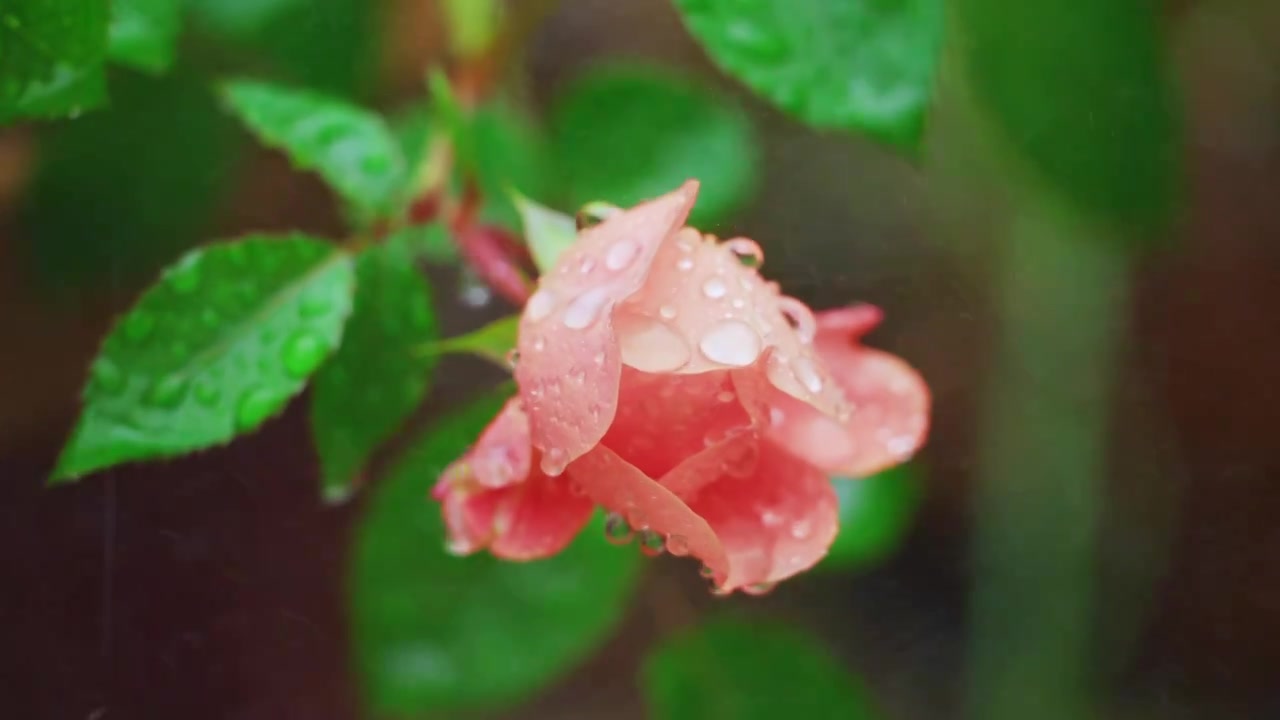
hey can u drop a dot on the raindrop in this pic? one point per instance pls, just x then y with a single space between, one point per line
207 394
807 374
731 343
554 460
512 358
677 545
800 317
747 251
758 589
620 255
138 326
770 518
725 396
585 308
667 312
107 376
706 572
593 214
587 265
168 392
314 306
617 530
539 344
256 406
901 446
801 529
185 278
474 294
651 543
714 288
303 353
684 265
650 345
776 416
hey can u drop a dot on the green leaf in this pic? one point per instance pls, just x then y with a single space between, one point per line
143 33
376 379
736 670
51 56
623 134
507 151
875 515
219 345
350 147
437 632
547 233
147 175
1104 133
243 18
493 342
862 65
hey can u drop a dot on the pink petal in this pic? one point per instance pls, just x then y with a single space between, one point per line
502 454
890 401
570 362
539 518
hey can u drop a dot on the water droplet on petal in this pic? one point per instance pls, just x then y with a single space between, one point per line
807 374
593 214
725 396
107 376
539 344
758 589
684 265
650 345
651 543
587 265
706 572
256 406
541 304
801 529
800 317
585 309
677 545
731 343
621 254
303 353
739 303
554 460
770 518
511 358
617 530
714 288
668 312
776 416
902 445
138 326
747 251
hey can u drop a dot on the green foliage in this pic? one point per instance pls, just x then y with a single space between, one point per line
376 379
862 65
436 632
143 33
875 515
245 18
547 233
351 148
735 670
492 342
51 54
1089 105
507 150
219 345
122 191
624 134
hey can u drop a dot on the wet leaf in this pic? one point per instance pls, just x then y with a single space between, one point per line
144 33
51 57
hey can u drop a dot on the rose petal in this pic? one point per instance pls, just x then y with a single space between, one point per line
539 518
570 361
890 402
774 523
502 454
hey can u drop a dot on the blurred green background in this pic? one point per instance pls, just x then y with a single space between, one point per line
1092 304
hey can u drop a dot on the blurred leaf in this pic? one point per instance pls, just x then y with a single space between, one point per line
1104 132
626 134
547 233
863 65
242 18
350 147
143 33
734 670
51 55
120 192
491 342
431 242
437 632
508 151
875 515
376 379
219 345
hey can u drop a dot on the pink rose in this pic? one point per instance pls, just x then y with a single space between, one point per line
662 378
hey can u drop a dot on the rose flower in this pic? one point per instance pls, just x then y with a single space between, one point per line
662 378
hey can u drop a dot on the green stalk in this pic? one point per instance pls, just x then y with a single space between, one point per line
472 24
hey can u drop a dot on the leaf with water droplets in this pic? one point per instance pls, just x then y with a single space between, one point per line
860 65
143 33
167 382
350 147
547 233
495 341
376 380
51 56
624 134
437 633
733 670
875 516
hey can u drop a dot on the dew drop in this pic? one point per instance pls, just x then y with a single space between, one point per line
758 589
167 392
731 343
677 545
207 394
801 529
770 518
667 312
807 374
303 353
684 265
706 572
185 278
554 460
800 317
725 396
621 254
256 406
512 358
776 416
314 306
714 288
474 294
587 265
617 530
651 543
107 376
139 326
585 309
651 345
593 214
539 344
747 251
